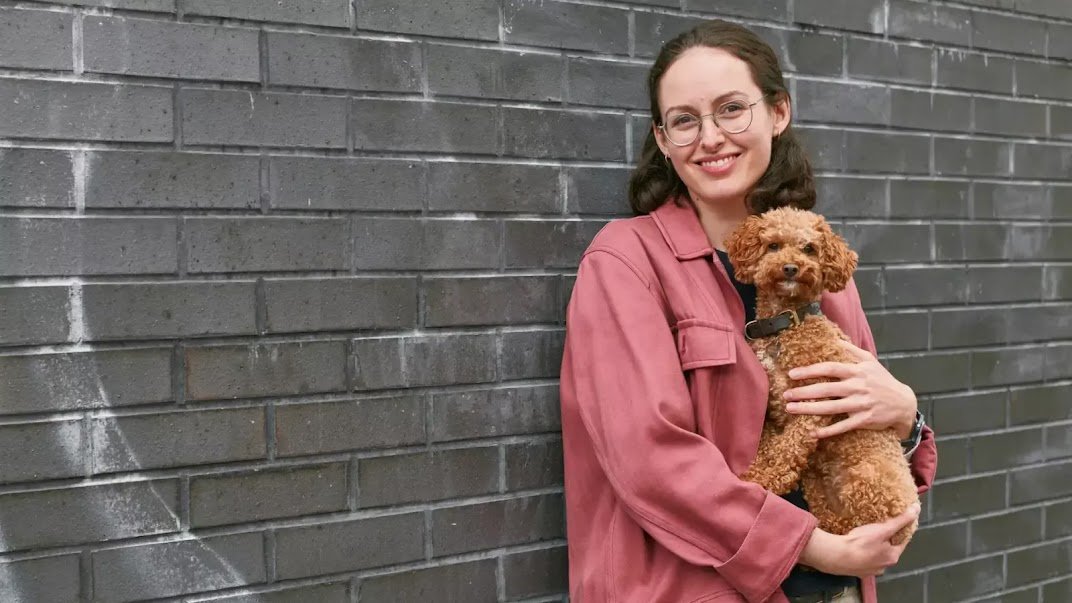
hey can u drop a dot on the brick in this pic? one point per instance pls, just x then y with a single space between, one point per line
46 382
327 427
1058 442
561 25
652 30
321 593
808 52
842 103
472 19
168 49
85 111
430 476
960 242
998 532
930 111
955 156
875 59
33 315
955 455
133 442
968 412
864 16
404 125
172 180
1008 33
494 73
933 372
1038 404
532 354
35 39
968 496
902 588
493 187
548 244
494 412
1005 201
1011 118
900 331
174 309
1057 41
473 581
607 83
1060 122
825 147
1039 563
844 197
889 242
332 547
771 10
870 283
597 190
534 465
158 6
929 199
1032 323
998 451
339 62
1006 366
969 327
535 573
548 133
1040 483
36 178
83 514
194 565
264 369
1045 80
939 23
340 304
87 246
42 450
1060 590
322 183
265 244
388 362
507 522
888 153
409 244
54 579
1057 282
1058 519
932 545
966 579
232 117
488 300
1042 161
964 70
331 13
239 497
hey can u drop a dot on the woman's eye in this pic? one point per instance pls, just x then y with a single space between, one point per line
809 249
731 108
773 247
683 120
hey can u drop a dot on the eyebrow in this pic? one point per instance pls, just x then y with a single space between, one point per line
716 100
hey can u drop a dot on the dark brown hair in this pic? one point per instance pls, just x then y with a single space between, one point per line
788 179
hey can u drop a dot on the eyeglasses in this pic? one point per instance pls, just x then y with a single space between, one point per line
683 128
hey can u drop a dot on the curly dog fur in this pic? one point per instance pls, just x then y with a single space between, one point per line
848 480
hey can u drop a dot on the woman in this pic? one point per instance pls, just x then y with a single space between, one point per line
662 399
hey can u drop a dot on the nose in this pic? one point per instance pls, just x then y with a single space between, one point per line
789 270
710 134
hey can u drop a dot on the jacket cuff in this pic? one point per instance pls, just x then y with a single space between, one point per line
770 549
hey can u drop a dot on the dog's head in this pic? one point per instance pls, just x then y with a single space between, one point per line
790 252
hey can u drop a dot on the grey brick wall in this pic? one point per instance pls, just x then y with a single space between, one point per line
282 283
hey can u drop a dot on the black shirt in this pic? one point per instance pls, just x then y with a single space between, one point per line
800 581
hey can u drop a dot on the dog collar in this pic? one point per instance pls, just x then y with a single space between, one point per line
765 327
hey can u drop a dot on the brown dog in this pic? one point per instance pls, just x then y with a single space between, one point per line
851 479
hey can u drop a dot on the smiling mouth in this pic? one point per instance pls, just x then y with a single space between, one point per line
718 163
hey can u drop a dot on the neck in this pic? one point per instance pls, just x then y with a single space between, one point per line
719 219
767 306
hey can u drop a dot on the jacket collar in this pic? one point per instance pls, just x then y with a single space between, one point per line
680 226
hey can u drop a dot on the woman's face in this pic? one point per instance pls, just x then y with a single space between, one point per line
717 167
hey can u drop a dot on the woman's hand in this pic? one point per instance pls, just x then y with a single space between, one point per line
865 391
865 551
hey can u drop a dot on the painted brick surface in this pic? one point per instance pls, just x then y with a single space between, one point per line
282 284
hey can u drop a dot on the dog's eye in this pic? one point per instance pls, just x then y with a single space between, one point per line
773 247
809 249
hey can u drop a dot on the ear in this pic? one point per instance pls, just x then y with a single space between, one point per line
660 138
745 248
781 114
838 261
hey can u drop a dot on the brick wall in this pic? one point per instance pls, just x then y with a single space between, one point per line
282 283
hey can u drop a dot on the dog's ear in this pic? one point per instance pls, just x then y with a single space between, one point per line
745 249
839 262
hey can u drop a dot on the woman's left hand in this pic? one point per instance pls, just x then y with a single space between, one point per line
865 391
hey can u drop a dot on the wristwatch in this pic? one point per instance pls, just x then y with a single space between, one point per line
914 437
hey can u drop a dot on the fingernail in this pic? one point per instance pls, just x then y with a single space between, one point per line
791 407
793 373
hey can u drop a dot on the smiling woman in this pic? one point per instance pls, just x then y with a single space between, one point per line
662 398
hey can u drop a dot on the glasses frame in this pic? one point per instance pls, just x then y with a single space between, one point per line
714 118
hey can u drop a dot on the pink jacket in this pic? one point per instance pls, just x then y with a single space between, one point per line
662 407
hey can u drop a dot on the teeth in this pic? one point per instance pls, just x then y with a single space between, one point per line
718 163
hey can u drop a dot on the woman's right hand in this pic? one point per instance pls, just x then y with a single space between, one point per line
865 551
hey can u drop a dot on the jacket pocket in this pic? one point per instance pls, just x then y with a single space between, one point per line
704 343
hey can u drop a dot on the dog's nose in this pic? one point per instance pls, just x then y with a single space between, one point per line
789 270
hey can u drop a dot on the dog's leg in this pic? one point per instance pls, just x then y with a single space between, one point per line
783 455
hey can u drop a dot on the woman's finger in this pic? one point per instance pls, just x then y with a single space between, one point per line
840 427
857 352
835 406
835 370
820 391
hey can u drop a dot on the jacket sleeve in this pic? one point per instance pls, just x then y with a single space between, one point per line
635 405
924 461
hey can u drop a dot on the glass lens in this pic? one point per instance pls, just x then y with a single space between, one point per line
682 128
734 116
